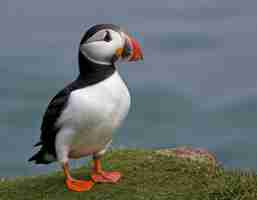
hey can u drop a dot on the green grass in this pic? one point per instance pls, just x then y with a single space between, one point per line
146 175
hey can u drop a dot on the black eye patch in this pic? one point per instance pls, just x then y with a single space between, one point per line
107 37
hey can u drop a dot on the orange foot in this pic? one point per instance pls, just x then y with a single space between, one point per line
106 177
78 185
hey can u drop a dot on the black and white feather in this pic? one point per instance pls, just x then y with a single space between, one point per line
81 118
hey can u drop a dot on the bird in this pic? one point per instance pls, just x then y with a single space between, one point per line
81 118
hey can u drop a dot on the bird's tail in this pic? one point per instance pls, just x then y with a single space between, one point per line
43 156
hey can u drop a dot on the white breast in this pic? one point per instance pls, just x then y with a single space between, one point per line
92 114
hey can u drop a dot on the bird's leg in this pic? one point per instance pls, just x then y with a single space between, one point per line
100 176
73 184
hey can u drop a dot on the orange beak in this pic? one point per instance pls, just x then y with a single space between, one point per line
136 50
131 50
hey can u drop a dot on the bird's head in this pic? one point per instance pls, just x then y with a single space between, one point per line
105 44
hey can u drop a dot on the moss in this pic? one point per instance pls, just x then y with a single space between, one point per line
146 175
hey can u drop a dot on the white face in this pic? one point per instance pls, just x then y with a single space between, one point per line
102 46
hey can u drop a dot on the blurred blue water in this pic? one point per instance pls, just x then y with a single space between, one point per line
196 86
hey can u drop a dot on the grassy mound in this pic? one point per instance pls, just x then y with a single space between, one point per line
146 175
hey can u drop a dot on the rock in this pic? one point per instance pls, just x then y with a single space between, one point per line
194 154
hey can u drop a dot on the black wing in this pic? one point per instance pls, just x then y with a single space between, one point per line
54 110
49 129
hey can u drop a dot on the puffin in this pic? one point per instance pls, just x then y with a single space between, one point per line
81 118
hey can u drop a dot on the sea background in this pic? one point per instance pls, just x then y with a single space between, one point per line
196 85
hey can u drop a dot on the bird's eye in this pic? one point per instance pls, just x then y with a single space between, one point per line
107 37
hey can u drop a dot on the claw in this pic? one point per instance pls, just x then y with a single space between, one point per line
100 176
106 177
78 185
